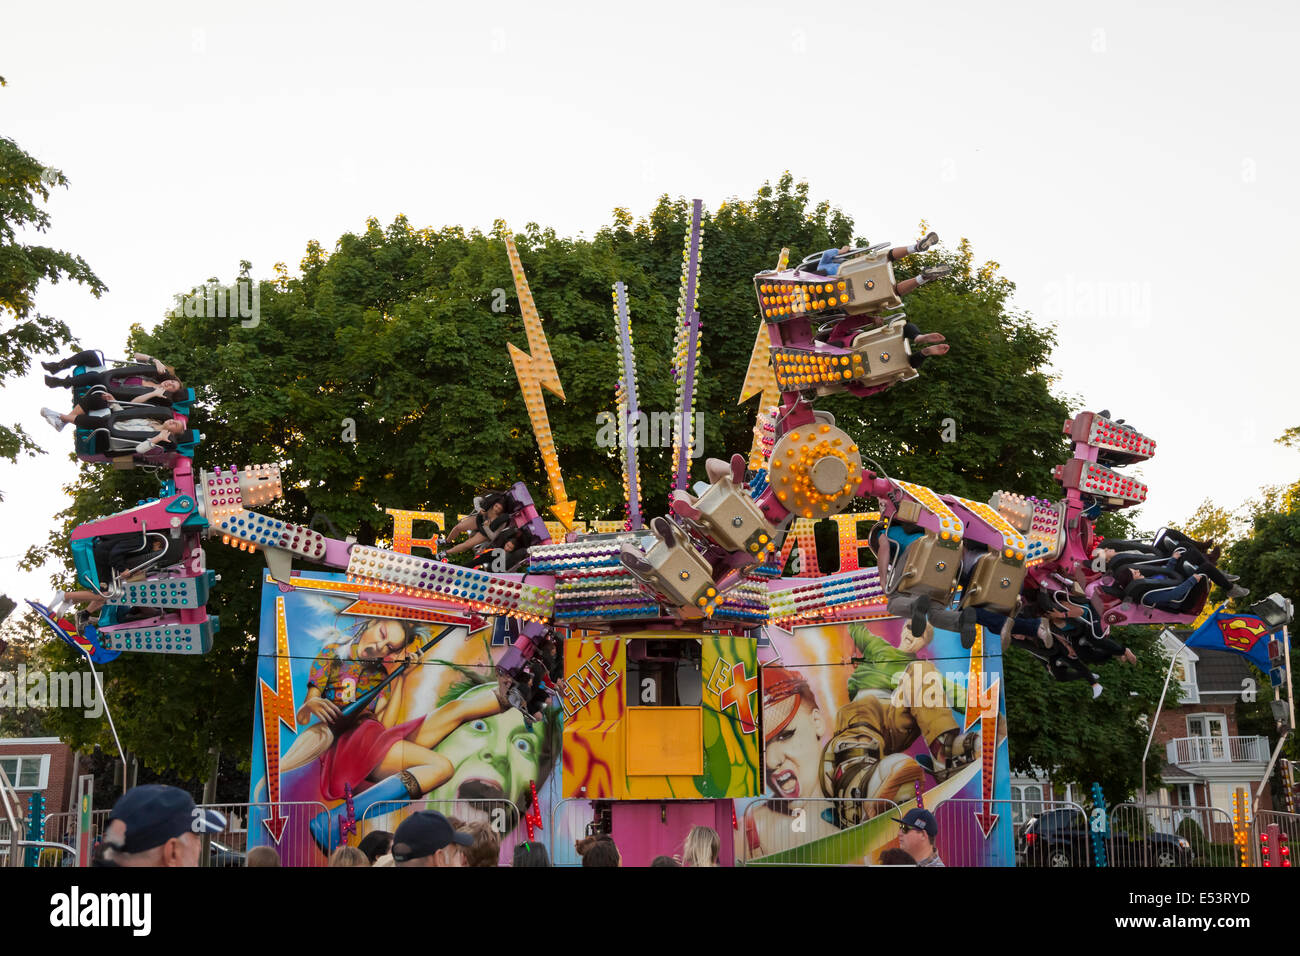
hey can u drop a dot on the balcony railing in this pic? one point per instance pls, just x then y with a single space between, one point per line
1184 751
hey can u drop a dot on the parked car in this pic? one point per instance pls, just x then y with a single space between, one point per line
1062 838
221 855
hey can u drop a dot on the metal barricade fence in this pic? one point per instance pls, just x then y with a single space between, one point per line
1166 835
975 832
1288 825
249 825
826 831
53 854
500 814
7 847
62 827
570 820
1057 834
60 838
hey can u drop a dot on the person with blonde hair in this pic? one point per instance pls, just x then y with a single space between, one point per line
348 856
702 847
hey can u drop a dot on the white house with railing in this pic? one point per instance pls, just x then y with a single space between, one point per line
1206 759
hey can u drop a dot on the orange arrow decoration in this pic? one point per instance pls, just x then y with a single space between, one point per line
982 707
535 370
277 709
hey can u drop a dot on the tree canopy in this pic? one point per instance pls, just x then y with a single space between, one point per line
25 184
1267 557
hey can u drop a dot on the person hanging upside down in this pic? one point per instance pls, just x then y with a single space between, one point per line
168 389
1181 554
111 558
99 399
164 433
93 359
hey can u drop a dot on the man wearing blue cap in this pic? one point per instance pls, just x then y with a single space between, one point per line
426 838
917 831
157 825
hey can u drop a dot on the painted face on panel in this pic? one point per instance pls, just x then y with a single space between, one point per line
495 758
794 755
381 639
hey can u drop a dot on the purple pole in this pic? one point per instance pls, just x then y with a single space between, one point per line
631 411
692 319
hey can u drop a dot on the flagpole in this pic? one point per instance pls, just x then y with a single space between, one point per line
1151 733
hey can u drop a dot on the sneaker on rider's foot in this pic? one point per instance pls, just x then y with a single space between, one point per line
51 416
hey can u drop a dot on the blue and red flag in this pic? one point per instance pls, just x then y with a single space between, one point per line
85 643
1246 634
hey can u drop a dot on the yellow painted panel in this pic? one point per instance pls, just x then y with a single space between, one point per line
593 759
664 741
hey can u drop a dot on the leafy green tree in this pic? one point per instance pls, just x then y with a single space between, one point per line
24 332
18 721
1059 728
397 338
1268 560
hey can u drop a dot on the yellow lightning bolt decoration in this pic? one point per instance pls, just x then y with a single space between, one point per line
761 379
535 370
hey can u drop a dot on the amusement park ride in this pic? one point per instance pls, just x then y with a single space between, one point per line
708 568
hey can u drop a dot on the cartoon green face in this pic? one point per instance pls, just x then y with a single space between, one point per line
495 758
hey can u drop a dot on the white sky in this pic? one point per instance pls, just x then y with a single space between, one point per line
1133 170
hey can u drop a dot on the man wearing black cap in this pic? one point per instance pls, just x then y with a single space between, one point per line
917 831
157 825
426 838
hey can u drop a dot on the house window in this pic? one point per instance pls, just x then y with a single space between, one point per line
1185 674
1210 736
27 773
1028 802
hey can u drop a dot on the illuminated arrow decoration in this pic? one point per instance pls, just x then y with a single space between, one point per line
982 708
277 708
628 413
535 370
761 379
685 348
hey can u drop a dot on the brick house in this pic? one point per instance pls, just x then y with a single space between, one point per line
39 765
1206 759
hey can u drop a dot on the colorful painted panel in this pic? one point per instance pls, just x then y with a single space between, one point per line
596 732
378 713
859 720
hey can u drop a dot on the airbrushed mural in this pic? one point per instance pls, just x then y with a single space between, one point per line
362 719
837 729
862 721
